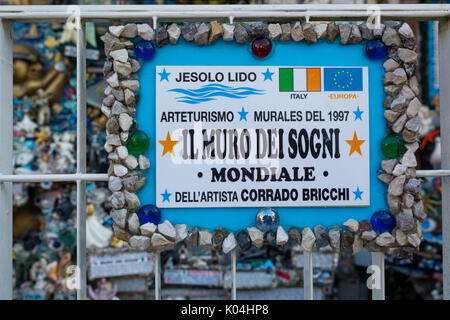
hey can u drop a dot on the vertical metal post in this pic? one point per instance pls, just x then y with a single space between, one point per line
157 264
233 274
378 260
444 85
81 157
308 275
6 163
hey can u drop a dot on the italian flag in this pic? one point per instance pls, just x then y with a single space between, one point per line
299 79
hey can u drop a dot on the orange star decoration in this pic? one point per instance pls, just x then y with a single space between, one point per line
355 144
168 144
41 136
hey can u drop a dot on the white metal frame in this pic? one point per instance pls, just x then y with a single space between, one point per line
10 14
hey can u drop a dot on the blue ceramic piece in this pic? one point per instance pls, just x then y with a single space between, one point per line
144 50
149 213
376 49
267 219
383 221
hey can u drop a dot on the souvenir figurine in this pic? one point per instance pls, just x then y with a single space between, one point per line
183 254
97 235
104 291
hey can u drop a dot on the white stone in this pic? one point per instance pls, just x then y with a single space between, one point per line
123 68
146 32
396 186
116 30
297 32
132 200
228 32
133 85
119 55
352 225
390 65
409 159
321 30
122 152
113 80
275 31
115 184
133 223
413 108
407 56
144 163
399 170
368 235
229 243
120 170
159 242
182 232
106 111
131 162
141 243
256 235
125 121
282 236
308 239
401 238
385 239
148 229
119 217
129 97
414 240
167 230
406 31
174 33
388 165
204 238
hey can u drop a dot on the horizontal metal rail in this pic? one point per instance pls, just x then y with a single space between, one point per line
241 12
53 177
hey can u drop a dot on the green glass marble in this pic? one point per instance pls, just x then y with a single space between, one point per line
138 143
392 146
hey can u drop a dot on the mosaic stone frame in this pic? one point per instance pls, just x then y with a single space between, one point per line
401 109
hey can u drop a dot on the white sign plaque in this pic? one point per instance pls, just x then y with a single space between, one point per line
254 136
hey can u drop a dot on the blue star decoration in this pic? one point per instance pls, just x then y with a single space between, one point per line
358 194
166 196
164 75
243 114
267 75
358 114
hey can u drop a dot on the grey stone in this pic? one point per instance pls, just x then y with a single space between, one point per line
405 220
321 236
118 108
112 126
414 85
413 186
399 105
320 30
147 229
107 68
396 186
347 239
204 238
228 32
125 121
394 203
295 235
118 94
357 245
133 223
408 200
133 85
131 162
182 232
202 35
399 169
419 210
414 240
131 199
345 31
282 236
352 225
390 65
385 239
401 238
275 31
218 236
406 55
399 124
119 217
130 30
259 29
241 34
368 235
144 163
388 165
398 76
285 32
188 30
113 80
114 183
413 108
410 136
122 152
409 159
192 238
141 243
146 32
393 24
121 234
120 170
391 116
407 93
392 90
332 31
229 243
119 55
174 33
385 177
243 240
167 230
116 31
378 31
129 97
159 242
391 38
162 36
297 32
334 236
366 32
309 33
405 31
355 36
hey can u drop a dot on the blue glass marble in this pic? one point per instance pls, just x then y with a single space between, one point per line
267 219
149 213
376 49
144 50
383 221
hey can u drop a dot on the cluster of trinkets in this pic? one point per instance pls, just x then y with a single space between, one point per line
398 231
44 142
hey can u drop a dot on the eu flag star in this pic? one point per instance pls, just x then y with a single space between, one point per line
267 75
358 114
164 75
243 114
358 194
166 196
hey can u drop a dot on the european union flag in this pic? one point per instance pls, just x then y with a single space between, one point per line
342 79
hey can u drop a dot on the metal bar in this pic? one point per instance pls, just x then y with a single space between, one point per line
308 275
432 173
6 163
444 84
157 264
233 274
54 177
378 260
81 157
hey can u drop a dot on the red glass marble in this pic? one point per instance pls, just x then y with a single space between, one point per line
261 47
